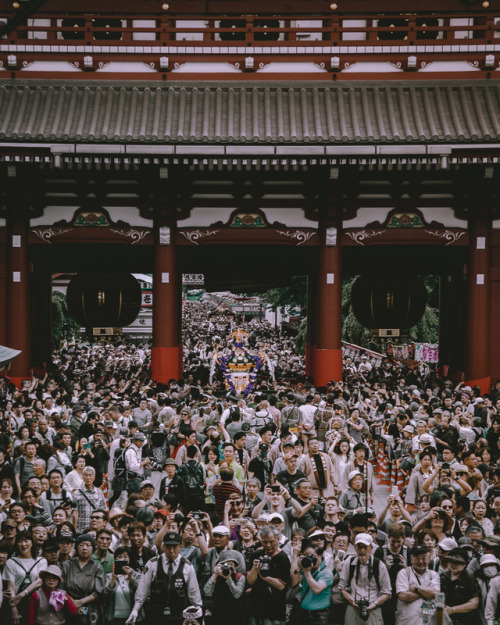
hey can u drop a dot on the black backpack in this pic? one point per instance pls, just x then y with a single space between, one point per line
119 463
375 570
192 474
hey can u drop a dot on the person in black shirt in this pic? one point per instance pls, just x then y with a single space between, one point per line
461 590
291 475
445 435
171 483
139 553
268 581
260 466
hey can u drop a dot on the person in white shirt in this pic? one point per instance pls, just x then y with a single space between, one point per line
416 587
135 464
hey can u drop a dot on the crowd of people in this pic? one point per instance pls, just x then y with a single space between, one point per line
123 500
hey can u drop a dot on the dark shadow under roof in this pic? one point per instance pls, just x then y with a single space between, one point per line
287 113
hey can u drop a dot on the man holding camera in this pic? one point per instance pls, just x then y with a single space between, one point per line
226 587
268 579
317 582
365 584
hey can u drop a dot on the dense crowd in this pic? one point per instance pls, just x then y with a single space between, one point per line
122 500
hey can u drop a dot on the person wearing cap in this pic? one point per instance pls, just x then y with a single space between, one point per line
226 588
171 483
220 540
148 494
135 464
50 551
419 475
461 590
170 582
422 438
49 604
291 475
354 500
364 578
360 463
84 580
489 569
492 603
416 588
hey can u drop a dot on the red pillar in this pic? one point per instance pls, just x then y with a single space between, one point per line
328 353
18 307
477 353
166 353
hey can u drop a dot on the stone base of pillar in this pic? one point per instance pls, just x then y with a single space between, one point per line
165 364
483 383
327 366
310 359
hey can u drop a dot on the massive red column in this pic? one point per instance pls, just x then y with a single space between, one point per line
166 353
328 352
477 353
18 296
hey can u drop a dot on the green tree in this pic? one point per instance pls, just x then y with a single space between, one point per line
288 298
64 328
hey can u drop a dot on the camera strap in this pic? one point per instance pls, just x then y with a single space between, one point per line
315 578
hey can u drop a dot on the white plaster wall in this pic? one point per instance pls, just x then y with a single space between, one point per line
128 214
205 217
374 68
443 214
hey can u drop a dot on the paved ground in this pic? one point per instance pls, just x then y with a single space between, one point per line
381 495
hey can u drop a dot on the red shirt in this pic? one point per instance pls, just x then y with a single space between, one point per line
69 606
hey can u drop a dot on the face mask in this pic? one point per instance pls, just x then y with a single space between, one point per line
490 571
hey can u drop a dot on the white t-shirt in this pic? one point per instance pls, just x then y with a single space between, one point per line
409 613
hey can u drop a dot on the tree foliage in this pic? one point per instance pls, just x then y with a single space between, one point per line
288 298
64 328
294 296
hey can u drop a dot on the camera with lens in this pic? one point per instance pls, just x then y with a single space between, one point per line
198 516
265 565
309 561
363 609
226 569
445 465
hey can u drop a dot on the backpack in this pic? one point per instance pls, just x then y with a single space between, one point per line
119 462
192 474
375 571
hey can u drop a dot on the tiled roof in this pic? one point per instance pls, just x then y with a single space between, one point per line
424 112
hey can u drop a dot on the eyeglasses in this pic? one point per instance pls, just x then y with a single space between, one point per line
373 531
447 507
